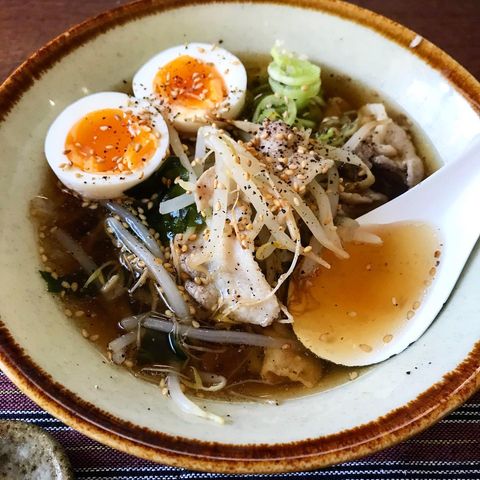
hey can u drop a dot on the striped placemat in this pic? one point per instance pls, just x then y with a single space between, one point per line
448 450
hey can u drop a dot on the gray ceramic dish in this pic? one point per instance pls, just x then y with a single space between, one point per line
29 453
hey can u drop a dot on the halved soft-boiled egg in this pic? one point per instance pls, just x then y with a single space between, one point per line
196 83
106 143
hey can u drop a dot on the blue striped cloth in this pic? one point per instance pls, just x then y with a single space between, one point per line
450 450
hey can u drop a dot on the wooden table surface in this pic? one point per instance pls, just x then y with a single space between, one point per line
451 24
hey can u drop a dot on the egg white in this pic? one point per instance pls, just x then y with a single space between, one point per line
102 185
228 66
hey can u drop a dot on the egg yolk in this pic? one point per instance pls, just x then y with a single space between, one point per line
110 140
191 83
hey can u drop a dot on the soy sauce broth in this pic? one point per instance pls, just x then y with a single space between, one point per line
97 318
358 306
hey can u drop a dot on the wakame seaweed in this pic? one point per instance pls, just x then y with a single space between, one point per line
54 285
162 183
159 348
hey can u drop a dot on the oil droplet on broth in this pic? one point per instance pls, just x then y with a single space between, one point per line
359 304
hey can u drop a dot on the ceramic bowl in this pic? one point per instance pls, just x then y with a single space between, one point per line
28 452
45 355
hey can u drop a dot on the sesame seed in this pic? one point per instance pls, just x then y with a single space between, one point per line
394 301
128 363
195 324
410 314
387 338
352 375
368 267
416 305
366 348
68 312
103 128
326 337
307 249
169 313
85 333
79 313
352 314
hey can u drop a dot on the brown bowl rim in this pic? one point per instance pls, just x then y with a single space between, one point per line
398 425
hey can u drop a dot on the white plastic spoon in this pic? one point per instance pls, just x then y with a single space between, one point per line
448 201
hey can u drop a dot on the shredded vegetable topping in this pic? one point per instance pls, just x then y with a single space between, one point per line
293 77
295 83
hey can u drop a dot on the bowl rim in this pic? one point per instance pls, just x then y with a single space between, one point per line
398 425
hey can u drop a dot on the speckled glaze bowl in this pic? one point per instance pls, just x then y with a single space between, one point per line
44 354
27 452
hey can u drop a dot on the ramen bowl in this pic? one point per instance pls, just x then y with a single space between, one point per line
44 353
